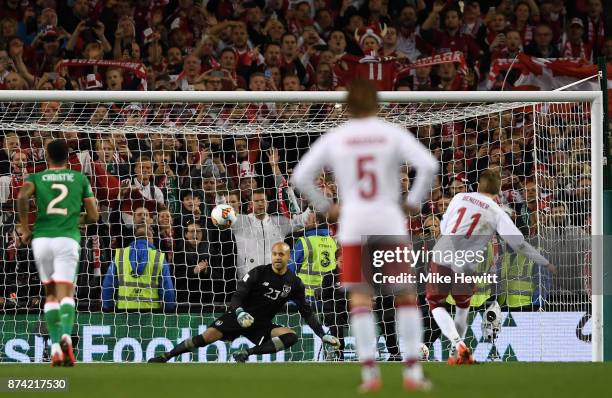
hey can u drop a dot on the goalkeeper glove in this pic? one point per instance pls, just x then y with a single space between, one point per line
331 340
244 318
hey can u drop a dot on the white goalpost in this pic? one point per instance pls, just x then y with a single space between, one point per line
207 148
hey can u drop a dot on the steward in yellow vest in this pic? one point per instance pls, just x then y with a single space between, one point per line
516 279
140 276
312 257
482 291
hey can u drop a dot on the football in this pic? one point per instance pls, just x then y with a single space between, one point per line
424 353
223 216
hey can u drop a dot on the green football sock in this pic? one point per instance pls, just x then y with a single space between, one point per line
67 315
52 318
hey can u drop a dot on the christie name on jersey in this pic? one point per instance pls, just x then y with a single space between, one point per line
63 177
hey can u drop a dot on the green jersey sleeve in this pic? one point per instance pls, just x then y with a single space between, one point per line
87 192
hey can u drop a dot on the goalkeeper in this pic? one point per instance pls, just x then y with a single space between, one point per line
261 294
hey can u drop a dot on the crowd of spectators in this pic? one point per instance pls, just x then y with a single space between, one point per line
170 182
283 44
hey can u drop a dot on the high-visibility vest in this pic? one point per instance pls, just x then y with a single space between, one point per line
138 292
517 277
482 291
319 259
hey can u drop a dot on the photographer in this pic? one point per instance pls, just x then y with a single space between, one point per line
15 51
88 31
124 37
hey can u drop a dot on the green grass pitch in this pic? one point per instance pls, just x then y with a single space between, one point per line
316 380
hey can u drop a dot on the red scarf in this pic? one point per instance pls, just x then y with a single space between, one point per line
135 68
582 51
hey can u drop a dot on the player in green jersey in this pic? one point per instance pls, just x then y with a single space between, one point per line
59 193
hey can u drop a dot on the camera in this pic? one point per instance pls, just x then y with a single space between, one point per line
91 23
491 322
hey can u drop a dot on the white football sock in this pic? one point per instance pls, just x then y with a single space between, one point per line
364 330
461 316
413 371
446 324
55 347
409 328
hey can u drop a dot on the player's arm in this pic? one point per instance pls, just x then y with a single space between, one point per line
299 298
307 170
297 222
426 166
243 289
450 209
23 207
91 214
515 239
89 202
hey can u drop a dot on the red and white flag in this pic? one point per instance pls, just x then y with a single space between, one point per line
550 74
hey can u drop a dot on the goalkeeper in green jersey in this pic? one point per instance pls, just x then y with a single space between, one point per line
59 194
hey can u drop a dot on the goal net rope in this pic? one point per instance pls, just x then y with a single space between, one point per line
165 164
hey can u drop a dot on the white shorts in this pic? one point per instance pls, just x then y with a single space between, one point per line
57 259
355 224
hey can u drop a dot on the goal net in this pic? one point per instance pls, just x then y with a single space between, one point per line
159 163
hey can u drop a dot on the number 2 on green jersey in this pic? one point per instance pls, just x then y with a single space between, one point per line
63 192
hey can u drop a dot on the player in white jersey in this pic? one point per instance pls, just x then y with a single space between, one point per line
365 155
469 223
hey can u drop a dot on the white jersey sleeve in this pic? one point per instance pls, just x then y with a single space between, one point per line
308 169
426 166
515 239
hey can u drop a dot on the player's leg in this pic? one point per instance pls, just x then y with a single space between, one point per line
430 327
436 298
217 331
279 338
461 316
43 257
65 294
409 324
363 327
387 315
65 265
363 324
462 307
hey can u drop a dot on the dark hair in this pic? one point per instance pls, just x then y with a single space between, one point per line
259 190
272 43
143 158
455 9
288 34
227 50
291 75
256 74
362 99
57 151
522 3
188 192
